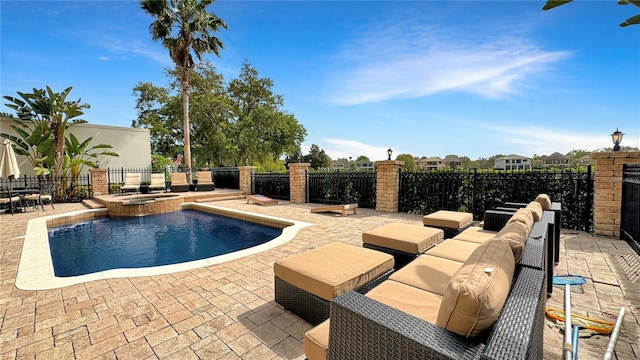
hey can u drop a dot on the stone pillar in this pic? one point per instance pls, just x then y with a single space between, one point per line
298 182
608 190
245 178
388 185
99 183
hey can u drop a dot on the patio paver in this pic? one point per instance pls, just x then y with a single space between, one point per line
227 311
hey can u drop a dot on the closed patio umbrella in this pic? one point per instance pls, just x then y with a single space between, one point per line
9 169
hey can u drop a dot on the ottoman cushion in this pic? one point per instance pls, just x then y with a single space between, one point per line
447 219
316 342
332 270
412 239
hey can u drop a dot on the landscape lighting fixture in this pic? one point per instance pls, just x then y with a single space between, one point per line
616 137
389 152
97 164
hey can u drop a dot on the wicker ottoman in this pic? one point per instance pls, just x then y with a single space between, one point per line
452 222
306 283
403 241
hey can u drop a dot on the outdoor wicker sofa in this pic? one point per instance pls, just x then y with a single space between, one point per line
361 327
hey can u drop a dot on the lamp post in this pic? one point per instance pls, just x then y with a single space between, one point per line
616 137
97 164
389 152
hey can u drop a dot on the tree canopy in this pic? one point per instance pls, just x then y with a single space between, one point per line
241 122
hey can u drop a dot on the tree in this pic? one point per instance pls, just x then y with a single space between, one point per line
634 20
77 156
409 162
317 158
362 158
185 26
53 109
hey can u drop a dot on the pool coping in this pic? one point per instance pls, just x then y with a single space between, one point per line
35 270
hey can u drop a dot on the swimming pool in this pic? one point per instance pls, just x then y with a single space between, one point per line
36 270
154 240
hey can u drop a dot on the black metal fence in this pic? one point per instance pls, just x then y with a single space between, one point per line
630 211
115 177
273 185
228 178
71 189
342 187
476 191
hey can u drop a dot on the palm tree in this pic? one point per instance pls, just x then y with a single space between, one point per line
184 26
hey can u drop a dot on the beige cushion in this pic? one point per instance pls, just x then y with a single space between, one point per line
332 270
316 342
428 273
524 216
476 293
412 239
544 201
456 250
447 219
475 234
536 210
516 235
419 303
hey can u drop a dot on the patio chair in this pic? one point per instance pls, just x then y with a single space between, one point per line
204 181
179 182
38 199
157 182
131 182
11 201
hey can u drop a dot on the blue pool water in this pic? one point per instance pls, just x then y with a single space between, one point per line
154 240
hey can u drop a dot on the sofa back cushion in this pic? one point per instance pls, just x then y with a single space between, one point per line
477 291
545 201
524 216
515 234
536 210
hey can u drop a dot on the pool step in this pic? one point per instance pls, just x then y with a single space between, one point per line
92 204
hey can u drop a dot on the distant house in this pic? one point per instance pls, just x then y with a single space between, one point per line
513 162
430 163
340 164
585 160
452 162
555 159
364 165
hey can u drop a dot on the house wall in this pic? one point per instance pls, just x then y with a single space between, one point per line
133 145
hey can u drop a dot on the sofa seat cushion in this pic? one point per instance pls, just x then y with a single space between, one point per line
456 250
332 270
475 234
419 303
316 342
477 291
516 235
412 239
536 210
447 219
428 273
544 200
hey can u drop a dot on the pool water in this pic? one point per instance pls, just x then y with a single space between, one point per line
153 240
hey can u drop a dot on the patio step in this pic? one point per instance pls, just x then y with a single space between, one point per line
220 198
92 204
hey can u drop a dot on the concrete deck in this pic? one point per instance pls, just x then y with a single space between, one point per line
227 311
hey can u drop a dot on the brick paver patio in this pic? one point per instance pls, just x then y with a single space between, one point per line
227 311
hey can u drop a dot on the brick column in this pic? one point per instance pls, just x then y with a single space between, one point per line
298 182
245 178
388 185
99 184
608 190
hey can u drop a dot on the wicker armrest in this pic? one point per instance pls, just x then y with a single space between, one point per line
363 328
495 220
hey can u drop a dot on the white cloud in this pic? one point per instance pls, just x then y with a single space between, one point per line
343 148
103 58
405 61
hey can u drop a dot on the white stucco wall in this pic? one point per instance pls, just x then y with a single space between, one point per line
133 145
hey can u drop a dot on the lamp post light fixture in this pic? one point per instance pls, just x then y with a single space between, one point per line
616 137
97 164
389 152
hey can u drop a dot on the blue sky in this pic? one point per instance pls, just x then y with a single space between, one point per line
428 78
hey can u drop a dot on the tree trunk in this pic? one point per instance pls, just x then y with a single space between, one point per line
185 123
58 158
